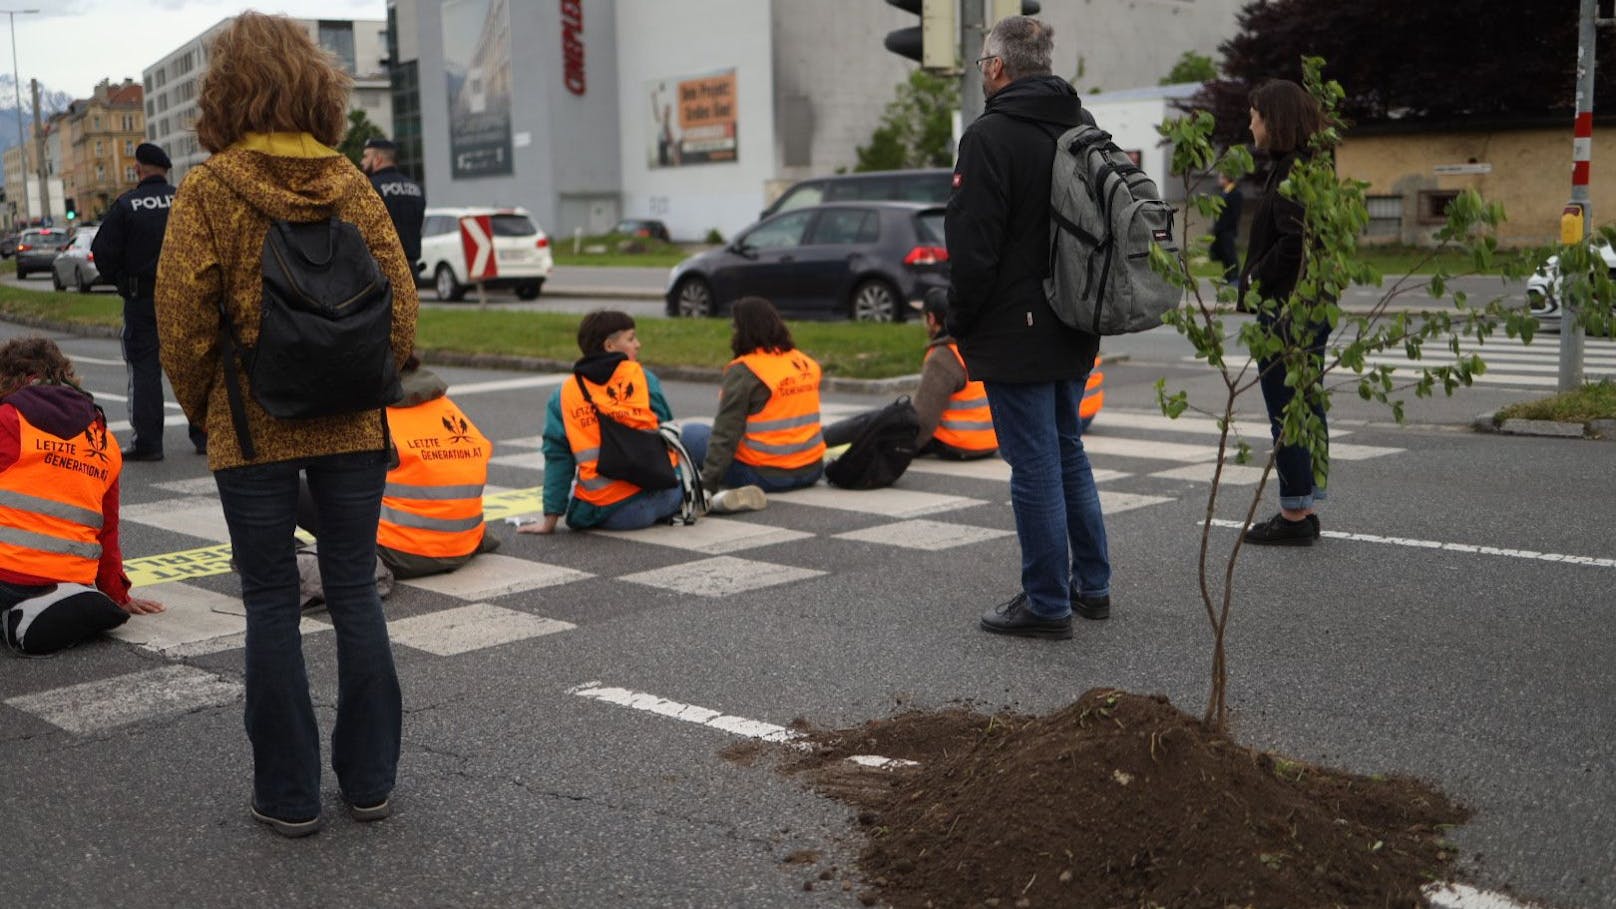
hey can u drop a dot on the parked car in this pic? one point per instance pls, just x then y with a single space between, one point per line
931 185
644 228
75 264
8 245
866 261
37 248
522 251
1543 287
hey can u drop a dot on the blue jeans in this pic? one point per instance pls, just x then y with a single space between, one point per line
643 509
260 505
1293 463
696 436
1057 507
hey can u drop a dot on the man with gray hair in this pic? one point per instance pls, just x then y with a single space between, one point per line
1032 365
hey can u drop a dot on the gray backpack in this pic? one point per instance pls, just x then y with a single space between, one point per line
1105 214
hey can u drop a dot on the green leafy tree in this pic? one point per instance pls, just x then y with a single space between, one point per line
1335 216
1191 67
360 131
917 127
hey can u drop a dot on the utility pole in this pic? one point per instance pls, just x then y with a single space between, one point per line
39 152
1576 224
16 75
973 13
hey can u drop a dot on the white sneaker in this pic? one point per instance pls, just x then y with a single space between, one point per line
741 498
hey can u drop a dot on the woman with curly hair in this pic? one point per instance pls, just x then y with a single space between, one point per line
272 104
61 569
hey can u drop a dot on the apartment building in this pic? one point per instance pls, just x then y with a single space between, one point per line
171 83
97 138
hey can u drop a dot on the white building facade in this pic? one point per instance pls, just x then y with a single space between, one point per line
360 46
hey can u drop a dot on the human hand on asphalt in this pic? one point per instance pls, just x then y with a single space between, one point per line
546 525
142 607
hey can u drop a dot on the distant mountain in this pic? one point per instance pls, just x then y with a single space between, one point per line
50 102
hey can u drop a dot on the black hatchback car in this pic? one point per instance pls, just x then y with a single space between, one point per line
865 261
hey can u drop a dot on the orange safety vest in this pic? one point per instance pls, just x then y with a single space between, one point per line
433 503
626 397
1093 393
50 502
785 433
966 424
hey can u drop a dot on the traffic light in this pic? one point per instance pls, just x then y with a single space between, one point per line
934 42
72 209
1004 9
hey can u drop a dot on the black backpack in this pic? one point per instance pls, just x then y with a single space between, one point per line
325 330
882 450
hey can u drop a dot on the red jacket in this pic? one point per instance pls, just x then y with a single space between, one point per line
65 412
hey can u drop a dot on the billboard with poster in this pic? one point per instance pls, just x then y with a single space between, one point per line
477 63
692 120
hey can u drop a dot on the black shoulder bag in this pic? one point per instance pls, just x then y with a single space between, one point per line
637 456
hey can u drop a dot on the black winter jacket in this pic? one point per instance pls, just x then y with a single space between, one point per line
1274 252
998 238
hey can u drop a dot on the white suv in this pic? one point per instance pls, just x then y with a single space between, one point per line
522 252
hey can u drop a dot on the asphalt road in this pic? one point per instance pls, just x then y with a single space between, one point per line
1439 630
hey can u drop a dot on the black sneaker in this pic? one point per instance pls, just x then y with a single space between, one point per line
1277 531
135 454
1016 618
1314 520
1092 608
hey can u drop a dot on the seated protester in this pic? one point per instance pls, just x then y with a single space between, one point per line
61 568
766 436
953 410
630 393
432 507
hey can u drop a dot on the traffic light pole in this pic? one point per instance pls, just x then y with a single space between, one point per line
1581 156
972 14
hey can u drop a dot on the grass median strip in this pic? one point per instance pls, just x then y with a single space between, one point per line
1594 401
846 349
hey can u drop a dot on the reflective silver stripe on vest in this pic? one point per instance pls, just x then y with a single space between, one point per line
588 454
807 419
46 543
800 447
968 403
598 482
410 491
967 425
22 501
442 525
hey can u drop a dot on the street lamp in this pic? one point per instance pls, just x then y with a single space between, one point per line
16 74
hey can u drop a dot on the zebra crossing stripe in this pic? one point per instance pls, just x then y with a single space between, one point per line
109 703
1532 554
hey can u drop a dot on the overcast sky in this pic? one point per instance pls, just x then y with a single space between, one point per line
70 45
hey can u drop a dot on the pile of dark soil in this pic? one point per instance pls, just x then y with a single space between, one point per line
1120 800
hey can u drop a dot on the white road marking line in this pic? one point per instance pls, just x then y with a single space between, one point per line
720 576
527 460
1233 474
1464 896
1146 449
703 716
450 632
198 517
1118 502
94 361
1196 424
925 535
888 502
1530 554
476 388
522 442
1350 452
200 486
108 703
993 469
1493 366
492 575
710 535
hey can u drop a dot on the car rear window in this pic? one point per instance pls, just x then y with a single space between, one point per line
934 188
929 226
514 226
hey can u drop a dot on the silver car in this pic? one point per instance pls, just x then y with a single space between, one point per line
75 264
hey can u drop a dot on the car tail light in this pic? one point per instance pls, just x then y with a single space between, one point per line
544 242
642 232
89 257
926 255
24 247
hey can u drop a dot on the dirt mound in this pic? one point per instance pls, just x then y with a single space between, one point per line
1121 800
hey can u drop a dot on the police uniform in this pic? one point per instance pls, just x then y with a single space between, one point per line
126 249
406 203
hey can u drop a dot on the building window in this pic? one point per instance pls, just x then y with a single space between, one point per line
95 123
100 173
337 37
1434 205
1385 216
98 148
128 146
129 174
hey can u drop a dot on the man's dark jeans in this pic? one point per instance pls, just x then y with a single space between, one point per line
260 505
146 377
1052 491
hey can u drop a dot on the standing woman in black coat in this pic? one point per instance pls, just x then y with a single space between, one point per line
1284 119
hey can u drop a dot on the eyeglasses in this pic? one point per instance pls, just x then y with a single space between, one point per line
984 59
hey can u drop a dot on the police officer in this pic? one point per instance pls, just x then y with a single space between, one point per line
126 248
405 201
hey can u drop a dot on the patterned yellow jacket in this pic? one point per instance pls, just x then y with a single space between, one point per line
212 252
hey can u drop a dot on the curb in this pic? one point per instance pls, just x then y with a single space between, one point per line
1593 430
606 293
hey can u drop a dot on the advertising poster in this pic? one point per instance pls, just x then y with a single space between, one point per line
477 61
692 120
